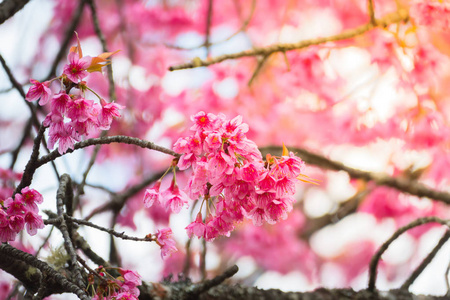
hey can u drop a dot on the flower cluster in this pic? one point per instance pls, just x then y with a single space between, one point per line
123 287
19 212
71 114
231 178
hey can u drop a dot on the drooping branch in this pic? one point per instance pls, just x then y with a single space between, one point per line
397 17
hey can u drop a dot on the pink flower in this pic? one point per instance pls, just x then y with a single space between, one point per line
3 218
76 69
285 186
203 121
33 222
277 210
60 102
16 206
7 234
39 90
80 109
131 278
197 227
152 195
16 223
31 197
186 160
107 113
125 296
173 198
66 138
164 239
250 173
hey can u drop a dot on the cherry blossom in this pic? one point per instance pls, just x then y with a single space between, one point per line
40 91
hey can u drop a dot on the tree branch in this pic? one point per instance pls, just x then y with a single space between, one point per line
65 195
108 140
8 8
376 258
23 266
397 17
412 187
426 261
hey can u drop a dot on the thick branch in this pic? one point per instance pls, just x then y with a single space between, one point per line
411 187
22 264
397 17
8 8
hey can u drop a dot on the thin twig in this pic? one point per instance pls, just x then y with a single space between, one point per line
108 230
426 261
31 166
397 17
203 259
208 26
371 10
243 27
447 273
67 37
376 258
25 136
19 88
80 187
101 37
261 62
119 200
31 107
